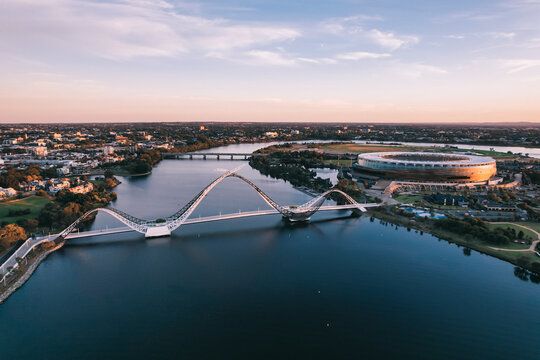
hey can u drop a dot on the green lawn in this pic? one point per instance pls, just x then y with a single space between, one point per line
340 162
408 199
97 182
366 148
34 203
533 225
527 233
361 148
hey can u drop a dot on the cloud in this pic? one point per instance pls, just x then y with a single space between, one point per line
349 24
361 55
328 61
390 40
264 57
457 37
126 29
517 65
353 27
502 35
468 16
417 70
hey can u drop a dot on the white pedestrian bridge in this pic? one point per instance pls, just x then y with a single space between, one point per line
164 227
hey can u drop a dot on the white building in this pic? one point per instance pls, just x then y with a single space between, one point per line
108 150
7 193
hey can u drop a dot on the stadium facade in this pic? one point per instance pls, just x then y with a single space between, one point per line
427 166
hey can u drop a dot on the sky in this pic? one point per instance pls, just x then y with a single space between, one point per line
270 60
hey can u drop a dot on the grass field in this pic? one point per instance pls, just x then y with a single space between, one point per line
34 203
533 225
408 199
366 148
527 233
359 148
341 162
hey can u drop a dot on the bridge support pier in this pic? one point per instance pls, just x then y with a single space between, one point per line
297 217
157 231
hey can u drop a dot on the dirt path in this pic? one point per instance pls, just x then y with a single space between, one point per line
533 245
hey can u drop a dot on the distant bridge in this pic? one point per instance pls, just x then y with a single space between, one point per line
210 155
164 227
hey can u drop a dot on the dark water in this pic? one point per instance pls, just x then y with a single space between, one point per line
254 288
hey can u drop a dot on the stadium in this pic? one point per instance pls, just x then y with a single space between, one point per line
427 166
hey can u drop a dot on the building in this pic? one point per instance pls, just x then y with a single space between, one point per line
7 193
428 167
82 189
108 150
495 206
39 150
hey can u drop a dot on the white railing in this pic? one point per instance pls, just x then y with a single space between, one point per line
21 253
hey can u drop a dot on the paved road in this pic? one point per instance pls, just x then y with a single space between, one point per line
21 252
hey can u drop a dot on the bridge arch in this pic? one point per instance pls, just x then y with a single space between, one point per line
174 221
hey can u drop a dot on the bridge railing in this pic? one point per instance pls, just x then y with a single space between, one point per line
12 264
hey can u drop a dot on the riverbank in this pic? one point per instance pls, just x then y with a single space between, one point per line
24 272
523 259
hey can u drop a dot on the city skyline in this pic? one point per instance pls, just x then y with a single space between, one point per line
311 61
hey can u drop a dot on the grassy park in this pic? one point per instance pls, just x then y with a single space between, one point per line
527 234
367 148
408 199
33 203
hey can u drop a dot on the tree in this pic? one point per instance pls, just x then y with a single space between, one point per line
109 174
30 224
71 212
10 234
520 234
50 173
109 183
41 193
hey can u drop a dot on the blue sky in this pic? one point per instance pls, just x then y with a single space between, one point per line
343 60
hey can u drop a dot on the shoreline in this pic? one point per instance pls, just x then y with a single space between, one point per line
22 278
18 282
450 238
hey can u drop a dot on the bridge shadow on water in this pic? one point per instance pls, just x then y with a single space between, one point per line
280 226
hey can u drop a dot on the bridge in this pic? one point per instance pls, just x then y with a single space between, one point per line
210 155
164 227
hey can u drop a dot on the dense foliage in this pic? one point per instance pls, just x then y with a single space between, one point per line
13 176
477 228
68 207
10 234
293 167
142 163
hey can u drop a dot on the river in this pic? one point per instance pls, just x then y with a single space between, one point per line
338 287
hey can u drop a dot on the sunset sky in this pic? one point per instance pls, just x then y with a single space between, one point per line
270 60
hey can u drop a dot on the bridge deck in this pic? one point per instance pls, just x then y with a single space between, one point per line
238 215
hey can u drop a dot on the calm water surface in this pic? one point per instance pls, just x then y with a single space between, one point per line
338 287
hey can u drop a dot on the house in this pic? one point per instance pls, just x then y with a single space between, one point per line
7 193
82 189
495 206
58 184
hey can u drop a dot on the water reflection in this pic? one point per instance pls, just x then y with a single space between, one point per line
249 288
